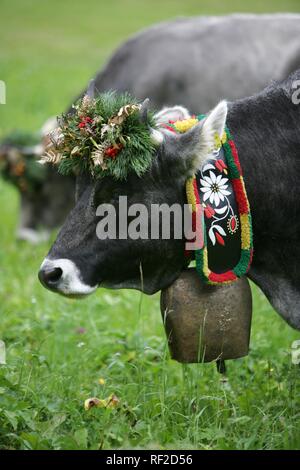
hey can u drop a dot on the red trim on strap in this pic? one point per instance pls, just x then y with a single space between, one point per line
228 276
235 156
196 191
240 196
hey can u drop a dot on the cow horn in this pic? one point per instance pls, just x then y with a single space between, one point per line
156 135
91 89
144 110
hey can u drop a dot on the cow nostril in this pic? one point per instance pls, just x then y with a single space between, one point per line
53 275
50 277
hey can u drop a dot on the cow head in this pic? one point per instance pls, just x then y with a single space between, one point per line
80 261
40 188
18 153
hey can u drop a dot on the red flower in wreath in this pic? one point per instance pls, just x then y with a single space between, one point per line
84 122
113 151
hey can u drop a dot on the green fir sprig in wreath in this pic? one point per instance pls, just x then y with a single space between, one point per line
103 137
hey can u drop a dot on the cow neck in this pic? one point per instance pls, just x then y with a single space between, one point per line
220 211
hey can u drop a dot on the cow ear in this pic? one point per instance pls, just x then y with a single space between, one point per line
176 113
193 147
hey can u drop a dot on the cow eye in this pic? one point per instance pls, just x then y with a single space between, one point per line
103 193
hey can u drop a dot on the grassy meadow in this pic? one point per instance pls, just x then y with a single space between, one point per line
61 352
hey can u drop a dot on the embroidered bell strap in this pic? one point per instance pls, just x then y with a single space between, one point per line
218 191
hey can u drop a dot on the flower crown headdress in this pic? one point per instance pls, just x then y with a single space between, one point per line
104 136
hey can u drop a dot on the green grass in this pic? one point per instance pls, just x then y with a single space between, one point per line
57 349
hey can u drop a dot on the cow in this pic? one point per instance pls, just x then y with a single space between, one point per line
194 61
46 197
266 131
198 61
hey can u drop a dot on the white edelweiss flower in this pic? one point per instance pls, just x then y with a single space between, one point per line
214 188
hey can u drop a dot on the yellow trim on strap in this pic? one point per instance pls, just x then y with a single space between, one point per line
245 231
191 198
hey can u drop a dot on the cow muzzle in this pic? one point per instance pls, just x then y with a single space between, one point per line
63 276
